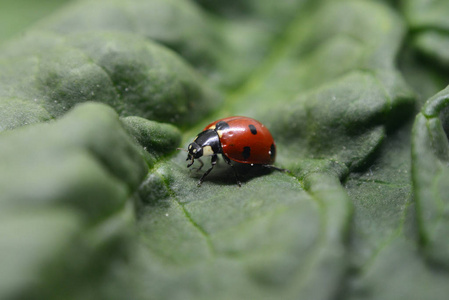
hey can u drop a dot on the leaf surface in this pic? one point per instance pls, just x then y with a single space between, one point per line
118 214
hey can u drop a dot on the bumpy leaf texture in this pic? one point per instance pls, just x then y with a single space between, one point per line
97 203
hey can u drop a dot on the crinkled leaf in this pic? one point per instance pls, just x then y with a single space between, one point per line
61 182
382 197
135 76
399 272
321 75
429 20
430 155
93 164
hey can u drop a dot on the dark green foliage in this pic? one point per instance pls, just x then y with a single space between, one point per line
97 203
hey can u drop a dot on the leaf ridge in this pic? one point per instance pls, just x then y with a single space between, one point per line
188 216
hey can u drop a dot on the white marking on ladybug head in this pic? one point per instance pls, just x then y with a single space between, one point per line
207 151
220 133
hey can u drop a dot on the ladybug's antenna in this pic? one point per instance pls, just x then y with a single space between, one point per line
185 150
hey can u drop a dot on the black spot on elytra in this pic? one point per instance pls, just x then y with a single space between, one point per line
253 129
273 150
246 152
221 125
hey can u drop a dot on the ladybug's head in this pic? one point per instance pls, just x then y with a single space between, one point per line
194 151
207 143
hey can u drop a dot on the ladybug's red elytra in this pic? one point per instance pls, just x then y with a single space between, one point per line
240 139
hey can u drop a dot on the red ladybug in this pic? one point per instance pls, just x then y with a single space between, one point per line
239 139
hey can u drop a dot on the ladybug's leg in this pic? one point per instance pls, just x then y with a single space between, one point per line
192 160
228 161
201 162
213 162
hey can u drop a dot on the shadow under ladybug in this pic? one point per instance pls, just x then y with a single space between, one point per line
224 174
244 143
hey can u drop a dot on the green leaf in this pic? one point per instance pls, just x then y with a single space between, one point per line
92 164
428 19
131 74
96 203
29 242
249 237
430 155
16 16
383 199
64 209
200 218
399 272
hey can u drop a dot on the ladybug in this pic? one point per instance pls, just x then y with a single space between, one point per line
240 139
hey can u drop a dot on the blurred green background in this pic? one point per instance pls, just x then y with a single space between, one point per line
17 15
